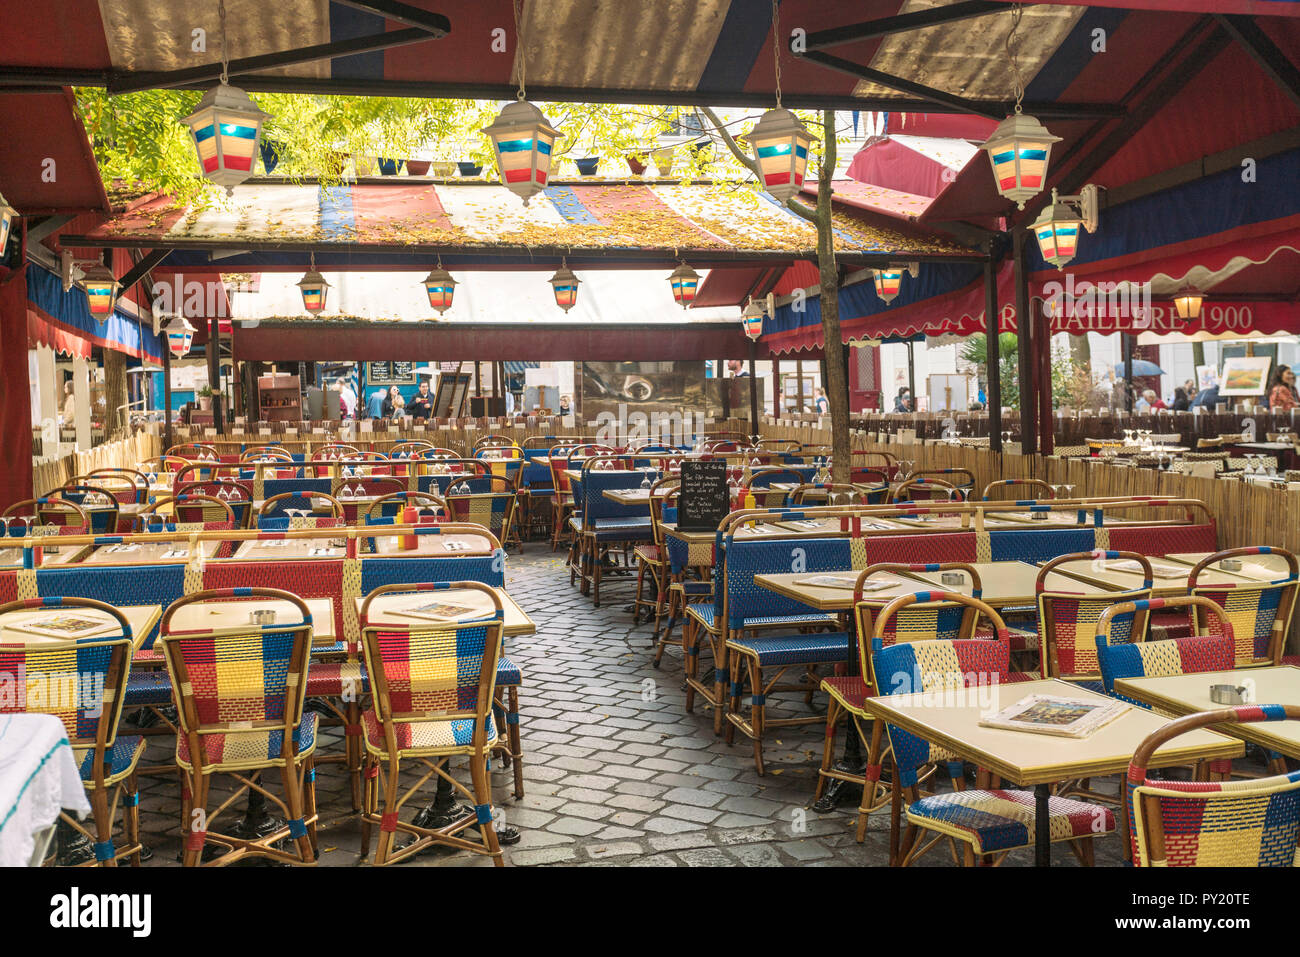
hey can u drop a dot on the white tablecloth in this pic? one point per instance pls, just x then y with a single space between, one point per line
38 777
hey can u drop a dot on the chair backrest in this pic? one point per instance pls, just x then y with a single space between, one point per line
761 479
163 463
82 682
68 516
190 508
886 462
265 453
492 507
492 439
922 489
663 494
98 502
392 504
1041 489
507 450
240 678
823 492
923 622
195 452
334 451
1260 612
409 450
440 673
737 597
1067 620
238 495
277 505
942 665
1118 658
1252 823
127 485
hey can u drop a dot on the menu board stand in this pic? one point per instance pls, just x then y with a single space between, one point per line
704 499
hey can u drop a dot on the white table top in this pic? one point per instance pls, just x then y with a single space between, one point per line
148 553
282 549
141 618
216 615
386 608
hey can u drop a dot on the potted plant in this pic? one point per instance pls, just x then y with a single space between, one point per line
417 167
636 163
469 167
587 165
389 167
444 170
663 158
205 399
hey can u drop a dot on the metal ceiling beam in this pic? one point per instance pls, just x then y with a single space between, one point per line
137 272
434 23
1264 52
38 231
950 102
900 23
211 72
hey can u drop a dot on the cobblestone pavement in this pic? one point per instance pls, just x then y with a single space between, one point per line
616 771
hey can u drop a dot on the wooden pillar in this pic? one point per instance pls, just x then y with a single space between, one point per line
798 372
776 387
1126 356
1024 346
753 390
214 371
911 375
993 352
1043 339
726 388
50 395
81 401
115 394
167 398
478 380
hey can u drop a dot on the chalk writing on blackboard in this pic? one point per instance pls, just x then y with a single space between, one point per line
704 500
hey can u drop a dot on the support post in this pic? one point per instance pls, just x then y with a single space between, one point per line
167 398
81 399
1126 356
776 387
753 391
993 352
1043 339
214 371
1024 347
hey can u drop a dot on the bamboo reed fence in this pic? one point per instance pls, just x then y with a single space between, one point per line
124 453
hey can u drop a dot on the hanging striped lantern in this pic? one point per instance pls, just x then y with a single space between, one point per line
888 282
179 336
684 281
780 143
314 290
101 290
522 139
440 287
1057 231
565 284
227 128
752 319
1019 149
7 216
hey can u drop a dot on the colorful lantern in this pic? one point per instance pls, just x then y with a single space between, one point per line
1019 150
522 139
684 281
1188 302
227 128
565 284
752 318
7 216
314 289
780 143
179 335
440 287
1058 227
101 290
888 282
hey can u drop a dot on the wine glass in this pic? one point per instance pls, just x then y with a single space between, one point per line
645 480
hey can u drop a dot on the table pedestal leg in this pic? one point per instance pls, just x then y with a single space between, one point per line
1042 828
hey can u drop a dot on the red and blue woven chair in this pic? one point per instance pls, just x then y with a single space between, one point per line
1041 490
98 502
237 495
1067 621
433 691
83 683
190 512
58 516
129 486
1252 823
984 821
652 558
490 502
1260 612
922 622
239 694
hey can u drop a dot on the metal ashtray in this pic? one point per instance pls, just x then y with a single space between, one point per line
1231 564
953 578
262 616
1038 516
1228 694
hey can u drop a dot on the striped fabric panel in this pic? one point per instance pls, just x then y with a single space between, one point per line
238 677
1252 613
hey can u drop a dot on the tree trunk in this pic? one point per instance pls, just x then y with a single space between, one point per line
1080 350
115 394
837 373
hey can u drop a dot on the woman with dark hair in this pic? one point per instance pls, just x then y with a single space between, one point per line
1181 402
1281 391
903 402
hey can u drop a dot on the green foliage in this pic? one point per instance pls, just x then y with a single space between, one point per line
974 351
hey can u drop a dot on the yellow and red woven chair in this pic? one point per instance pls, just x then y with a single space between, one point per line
488 500
129 486
162 464
348 490
57 516
1252 823
433 691
1067 621
239 694
194 452
265 453
1260 612
187 513
82 683
236 495
984 821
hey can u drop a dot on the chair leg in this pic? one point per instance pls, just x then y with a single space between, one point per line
196 826
636 601
103 822
597 567
721 672
828 745
734 686
690 661
131 822
293 799
369 799
483 797
874 765
516 746
309 802
388 825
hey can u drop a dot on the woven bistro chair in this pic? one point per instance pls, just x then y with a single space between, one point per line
846 693
1260 612
394 504
492 439
64 516
98 502
562 504
761 481
239 694
983 821
344 488
195 452
821 493
490 502
1041 490
94 671
322 511
129 486
162 464
1251 823
1067 621
652 557
265 453
409 450
237 496
433 690
187 513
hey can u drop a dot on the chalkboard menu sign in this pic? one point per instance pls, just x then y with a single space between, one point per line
391 373
704 499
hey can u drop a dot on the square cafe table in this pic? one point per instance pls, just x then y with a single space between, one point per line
141 618
201 616
385 610
1169 577
1188 694
282 549
148 553
1025 758
1257 568
64 554
440 546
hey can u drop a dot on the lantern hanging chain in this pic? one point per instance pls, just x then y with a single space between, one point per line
225 53
1013 47
776 48
521 58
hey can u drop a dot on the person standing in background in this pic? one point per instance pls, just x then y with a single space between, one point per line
375 404
390 406
69 403
823 404
564 406
421 406
1282 392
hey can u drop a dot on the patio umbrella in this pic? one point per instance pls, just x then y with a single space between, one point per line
1141 367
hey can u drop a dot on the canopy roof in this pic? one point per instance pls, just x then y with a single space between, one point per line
384 224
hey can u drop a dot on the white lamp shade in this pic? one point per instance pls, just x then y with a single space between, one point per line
780 144
1019 150
522 139
227 128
